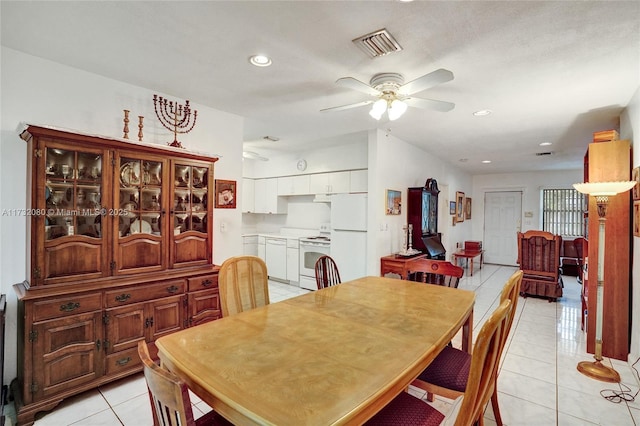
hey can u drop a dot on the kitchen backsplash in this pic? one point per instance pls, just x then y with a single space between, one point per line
302 213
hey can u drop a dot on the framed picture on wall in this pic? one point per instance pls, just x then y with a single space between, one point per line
635 175
452 208
225 197
459 206
467 208
394 203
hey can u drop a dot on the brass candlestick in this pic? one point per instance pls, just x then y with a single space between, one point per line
126 124
140 126
174 117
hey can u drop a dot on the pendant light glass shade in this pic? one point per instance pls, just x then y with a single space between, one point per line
378 108
396 109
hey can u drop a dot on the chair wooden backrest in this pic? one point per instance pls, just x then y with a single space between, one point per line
484 366
327 273
440 272
539 254
168 394
243 284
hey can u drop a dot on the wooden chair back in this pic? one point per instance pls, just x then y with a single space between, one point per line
484 366
440 272
511 291
168 394
327 273
539 254
243 283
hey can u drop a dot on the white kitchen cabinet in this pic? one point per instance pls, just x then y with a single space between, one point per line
276 257
248 195
250 245
293 260
329 183
262 248
293 185
266 197
358 181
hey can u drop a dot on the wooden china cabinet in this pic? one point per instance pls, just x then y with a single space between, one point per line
120 238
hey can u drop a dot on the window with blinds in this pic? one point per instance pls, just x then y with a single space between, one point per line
562 211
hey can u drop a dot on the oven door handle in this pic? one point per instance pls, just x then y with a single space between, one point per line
313 244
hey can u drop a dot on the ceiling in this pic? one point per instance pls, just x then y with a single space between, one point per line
550 71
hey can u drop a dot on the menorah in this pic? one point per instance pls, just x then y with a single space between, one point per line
174 117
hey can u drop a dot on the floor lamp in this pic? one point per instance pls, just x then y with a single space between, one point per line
601 191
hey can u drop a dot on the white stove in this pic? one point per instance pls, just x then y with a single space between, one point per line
311 249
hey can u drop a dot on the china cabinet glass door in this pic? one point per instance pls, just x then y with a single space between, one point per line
69 194
139 214
191 213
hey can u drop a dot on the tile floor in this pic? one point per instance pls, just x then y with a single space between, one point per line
538 382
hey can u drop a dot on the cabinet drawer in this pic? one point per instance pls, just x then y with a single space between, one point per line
203 282
123 360
64 306
129 295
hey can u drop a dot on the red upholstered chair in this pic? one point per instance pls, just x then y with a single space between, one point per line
440 272
327 273
407 410
448 374
169 396
539 260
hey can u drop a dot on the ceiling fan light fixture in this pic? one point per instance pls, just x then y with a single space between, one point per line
396 109
378 108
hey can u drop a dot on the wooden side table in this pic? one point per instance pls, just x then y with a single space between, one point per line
469 255
396 264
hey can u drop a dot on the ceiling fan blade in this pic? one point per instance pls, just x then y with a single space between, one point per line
349 106
426 81
429 104
352 83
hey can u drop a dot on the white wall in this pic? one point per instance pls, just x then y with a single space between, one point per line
630 126
395 164
43 92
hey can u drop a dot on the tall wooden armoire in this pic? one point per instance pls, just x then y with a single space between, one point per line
610 161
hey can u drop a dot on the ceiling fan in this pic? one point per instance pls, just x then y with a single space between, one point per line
394 95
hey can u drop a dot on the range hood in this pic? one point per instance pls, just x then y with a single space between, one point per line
322 198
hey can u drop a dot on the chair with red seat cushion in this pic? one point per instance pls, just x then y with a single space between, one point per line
448 374
169 396
408 410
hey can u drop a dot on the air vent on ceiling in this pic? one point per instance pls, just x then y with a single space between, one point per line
377 43
540 154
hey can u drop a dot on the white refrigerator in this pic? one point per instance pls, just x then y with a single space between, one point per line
349 234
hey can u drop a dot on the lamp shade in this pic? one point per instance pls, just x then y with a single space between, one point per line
601 189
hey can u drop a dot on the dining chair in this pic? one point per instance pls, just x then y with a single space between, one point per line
431 271
448 374
469 409
327 273
243 284
169 396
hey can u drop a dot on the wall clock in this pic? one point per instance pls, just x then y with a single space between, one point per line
302 165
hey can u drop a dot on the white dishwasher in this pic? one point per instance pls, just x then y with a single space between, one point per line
276 258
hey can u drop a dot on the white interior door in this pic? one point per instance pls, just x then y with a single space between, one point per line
502 220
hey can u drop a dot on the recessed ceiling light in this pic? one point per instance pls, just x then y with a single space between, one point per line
260 60
545 143
486 161
482 112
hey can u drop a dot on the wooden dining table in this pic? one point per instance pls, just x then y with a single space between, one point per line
328 357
